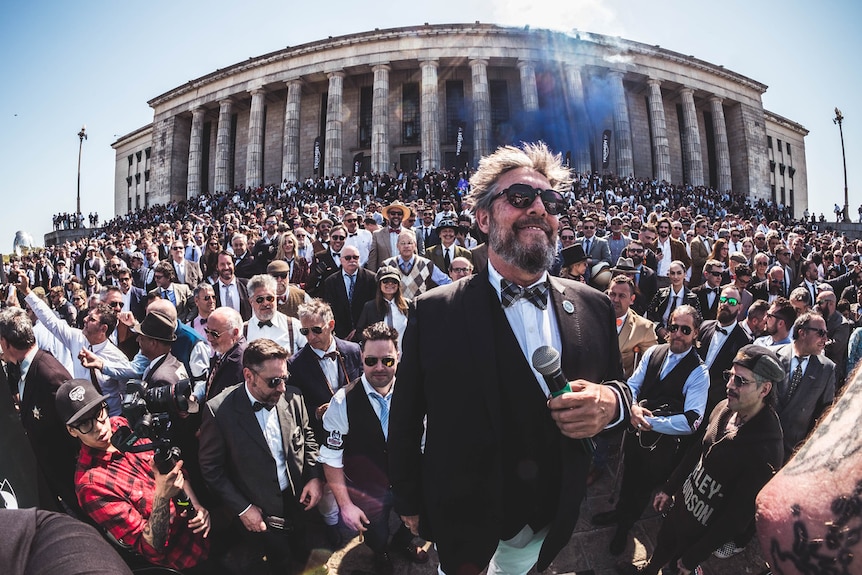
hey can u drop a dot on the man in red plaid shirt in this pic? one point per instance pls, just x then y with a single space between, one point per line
124 492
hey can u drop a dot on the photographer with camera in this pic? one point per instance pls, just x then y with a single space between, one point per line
124 492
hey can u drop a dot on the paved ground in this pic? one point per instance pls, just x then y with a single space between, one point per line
586 553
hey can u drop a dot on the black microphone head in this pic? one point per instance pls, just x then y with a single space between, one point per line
546 360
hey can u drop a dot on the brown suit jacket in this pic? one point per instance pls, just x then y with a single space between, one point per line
636 336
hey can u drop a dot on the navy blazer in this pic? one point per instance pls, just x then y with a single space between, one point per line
347 313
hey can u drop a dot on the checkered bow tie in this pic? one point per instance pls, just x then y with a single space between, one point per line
536 295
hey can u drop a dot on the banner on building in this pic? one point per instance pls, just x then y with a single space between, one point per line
606 149
460 141
317 156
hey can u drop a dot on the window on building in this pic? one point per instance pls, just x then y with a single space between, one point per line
769 142
456 111
131 159
146 175
147 152
779 146
788 148
366 114
129 181
129 209
139 155
137 178
410 119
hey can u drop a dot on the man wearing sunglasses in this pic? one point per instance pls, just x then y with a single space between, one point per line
123 492
596 248
354 452
348 291
715 486
327 261
487 409
259 455
670 387
325 365
356 236
719 341
708 293
266 321
839 329
384 242
224 332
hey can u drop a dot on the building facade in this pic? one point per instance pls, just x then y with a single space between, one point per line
440 96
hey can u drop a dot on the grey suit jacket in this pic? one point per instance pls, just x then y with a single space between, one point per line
815 393
235 459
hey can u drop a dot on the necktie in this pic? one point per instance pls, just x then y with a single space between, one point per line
263 323
13 375
446 261
350 289
258 406
672 307
427 233
511 292
405 267
795 380
169 295
587 247
228 296
384 413
93 377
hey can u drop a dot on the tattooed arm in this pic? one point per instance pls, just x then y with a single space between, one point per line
809 515
156 529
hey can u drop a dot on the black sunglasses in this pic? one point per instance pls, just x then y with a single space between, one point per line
673 328
714 273
281 276
272 382
522 196
735 379
212 333
372 361
338 238
315 328
818 331
350 258
262 298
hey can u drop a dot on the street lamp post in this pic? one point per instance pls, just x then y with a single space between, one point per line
838 119
82 135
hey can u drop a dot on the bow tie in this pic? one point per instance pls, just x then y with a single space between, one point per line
349 235
258 406
712 290
263 323
336 254
536 295
722 330
203 321
331 355
395 231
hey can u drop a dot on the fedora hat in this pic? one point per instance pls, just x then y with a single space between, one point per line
601 276
156 325
573 254
625 265
397 205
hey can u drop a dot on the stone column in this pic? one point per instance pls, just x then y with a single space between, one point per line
223 151
692 158
290 162
582 126
660 145
333 157
722 149
380 120
529 92
481 110
254 157
193 186
622 126
430 116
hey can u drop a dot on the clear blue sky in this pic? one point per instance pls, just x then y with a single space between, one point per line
65 64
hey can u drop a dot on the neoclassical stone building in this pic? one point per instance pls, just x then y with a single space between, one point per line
437 96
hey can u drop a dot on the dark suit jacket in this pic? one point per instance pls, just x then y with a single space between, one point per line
164 372
324 266
242 290
456 487
648 286
307 375
480 258
658 305
433 237
335 294
707 311
736 339
56 451
138 303
227 371
246 267
435 254
236 461
815 393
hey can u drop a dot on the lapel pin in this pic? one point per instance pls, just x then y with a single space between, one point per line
569 307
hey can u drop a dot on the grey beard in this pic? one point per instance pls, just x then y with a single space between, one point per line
532 259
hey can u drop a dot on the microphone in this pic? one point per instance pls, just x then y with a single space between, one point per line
546 360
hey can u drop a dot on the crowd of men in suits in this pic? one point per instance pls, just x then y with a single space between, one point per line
259 310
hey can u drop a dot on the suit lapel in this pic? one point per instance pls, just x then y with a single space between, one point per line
478 298
246 419
566 310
